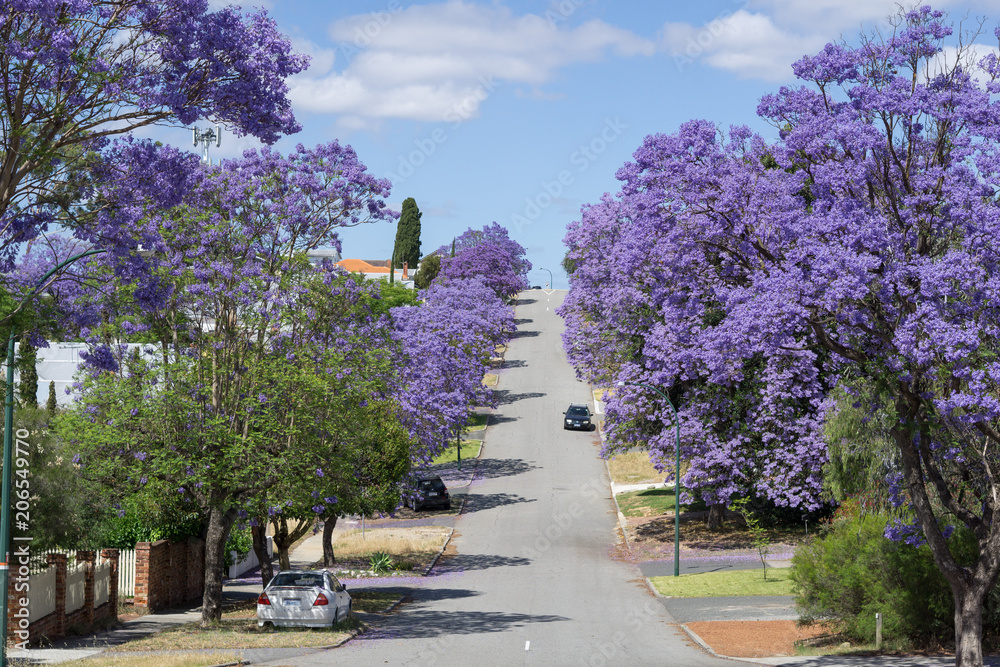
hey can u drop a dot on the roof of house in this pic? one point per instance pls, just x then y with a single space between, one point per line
361 266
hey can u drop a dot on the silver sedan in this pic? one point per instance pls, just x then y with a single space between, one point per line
308 598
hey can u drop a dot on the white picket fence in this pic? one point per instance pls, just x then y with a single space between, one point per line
126 565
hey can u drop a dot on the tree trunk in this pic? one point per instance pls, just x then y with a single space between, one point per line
284 538
259 534
220 522
328 526
969 603
716 516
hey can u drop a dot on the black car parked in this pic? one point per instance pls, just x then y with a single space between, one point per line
578 417
431 492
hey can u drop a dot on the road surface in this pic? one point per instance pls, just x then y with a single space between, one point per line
535 580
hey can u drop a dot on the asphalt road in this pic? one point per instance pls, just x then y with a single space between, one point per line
535 580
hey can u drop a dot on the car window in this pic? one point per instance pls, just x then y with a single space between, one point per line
297 579
578 412
431 485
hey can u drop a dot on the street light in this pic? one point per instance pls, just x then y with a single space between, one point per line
677 475
8 432
551 281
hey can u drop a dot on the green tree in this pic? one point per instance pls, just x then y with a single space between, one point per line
407 247
28 387
429 269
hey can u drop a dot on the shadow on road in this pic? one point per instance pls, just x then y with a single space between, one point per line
525 334
506 396
523 320
525 302
425 624
514 363
487 501
501 419
469 562
494 468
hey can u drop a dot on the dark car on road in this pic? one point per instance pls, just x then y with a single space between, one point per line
578 417
430 492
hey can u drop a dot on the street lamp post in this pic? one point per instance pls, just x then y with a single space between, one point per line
677 475
551 280
8 432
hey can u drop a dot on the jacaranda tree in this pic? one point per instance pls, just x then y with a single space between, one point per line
232 397
490 255
77 72
862 241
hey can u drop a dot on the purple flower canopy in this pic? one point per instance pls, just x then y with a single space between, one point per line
116 68
749 276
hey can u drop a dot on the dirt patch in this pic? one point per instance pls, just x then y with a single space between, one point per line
652 538
754 639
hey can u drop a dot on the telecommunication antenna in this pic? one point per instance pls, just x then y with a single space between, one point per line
206 138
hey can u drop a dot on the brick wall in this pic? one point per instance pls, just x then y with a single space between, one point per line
168 574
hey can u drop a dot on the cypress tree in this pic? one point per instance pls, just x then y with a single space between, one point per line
28 387
50 404
407 248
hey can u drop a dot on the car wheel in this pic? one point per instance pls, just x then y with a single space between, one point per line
448 505
336 617
349 603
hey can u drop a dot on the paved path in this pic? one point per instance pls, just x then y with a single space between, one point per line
535 581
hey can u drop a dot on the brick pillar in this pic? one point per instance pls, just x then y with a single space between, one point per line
196 569
141 598
58 561
406 269
111 555
17 600
89 559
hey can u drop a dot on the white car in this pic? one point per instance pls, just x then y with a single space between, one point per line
307 598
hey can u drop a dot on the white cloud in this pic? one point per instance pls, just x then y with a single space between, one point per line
831 16
762 39
440 62
743 42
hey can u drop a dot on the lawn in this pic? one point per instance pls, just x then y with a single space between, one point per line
411 549
652 502
731 583
237 630
633 468
167 660
477 422
491 379
470 450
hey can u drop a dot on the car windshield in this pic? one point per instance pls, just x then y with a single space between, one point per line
298 579
431 485
578 412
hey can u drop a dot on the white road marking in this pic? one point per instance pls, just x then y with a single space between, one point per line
526 645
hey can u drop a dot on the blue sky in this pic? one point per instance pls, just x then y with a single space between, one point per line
520 112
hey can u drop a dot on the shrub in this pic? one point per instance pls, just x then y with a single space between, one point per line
853 571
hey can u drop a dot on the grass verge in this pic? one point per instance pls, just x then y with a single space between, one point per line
174 660
470 450
477 422
491 379
372 600
397 542
237 630
732 583
652 502
633 468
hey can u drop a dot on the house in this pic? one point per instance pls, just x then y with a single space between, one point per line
377 270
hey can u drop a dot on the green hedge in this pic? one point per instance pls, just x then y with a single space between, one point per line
852 571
